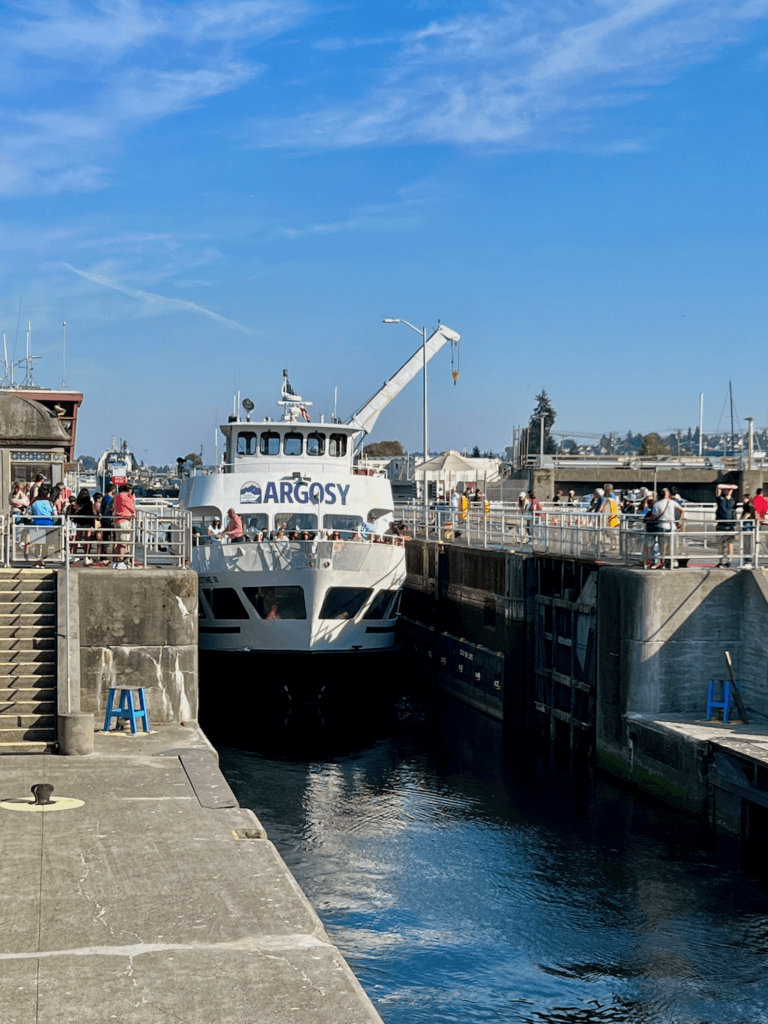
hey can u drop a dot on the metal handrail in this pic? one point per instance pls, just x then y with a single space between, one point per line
156 537
580 534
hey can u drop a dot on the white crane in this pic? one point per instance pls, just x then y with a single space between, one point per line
366 416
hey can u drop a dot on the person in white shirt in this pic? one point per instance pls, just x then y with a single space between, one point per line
370 529
664 514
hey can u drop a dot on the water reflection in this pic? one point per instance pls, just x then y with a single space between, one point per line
468 879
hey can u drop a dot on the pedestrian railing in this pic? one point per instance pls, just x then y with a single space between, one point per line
586 535
158 537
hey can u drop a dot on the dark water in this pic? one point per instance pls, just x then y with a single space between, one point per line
468 880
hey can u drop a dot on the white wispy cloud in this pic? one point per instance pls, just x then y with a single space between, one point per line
96 71
402 213
523 73
158 303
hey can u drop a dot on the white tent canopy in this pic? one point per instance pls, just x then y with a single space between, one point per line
451 468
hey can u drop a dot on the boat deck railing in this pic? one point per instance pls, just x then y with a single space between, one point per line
157 537
696 540
344 551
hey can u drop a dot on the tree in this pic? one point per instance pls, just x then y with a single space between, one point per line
543 408
652 446
383 449
475 453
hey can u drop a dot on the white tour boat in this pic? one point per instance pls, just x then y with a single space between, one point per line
318 569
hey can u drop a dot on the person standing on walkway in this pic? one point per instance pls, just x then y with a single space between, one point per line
760 505
608 509
725 514
124 520
663 513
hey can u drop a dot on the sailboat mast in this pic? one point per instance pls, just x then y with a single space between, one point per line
730 393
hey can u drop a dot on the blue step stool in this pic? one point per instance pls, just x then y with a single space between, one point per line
726 703
126 708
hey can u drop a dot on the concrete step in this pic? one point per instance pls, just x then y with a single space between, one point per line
30 585
44 658
24 572
12 645
42 698
28 615
22 629
19 720
22 734
28 706
10 685
27 747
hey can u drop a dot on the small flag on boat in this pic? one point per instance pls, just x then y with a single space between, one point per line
304 413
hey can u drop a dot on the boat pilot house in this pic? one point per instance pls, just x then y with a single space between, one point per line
37 432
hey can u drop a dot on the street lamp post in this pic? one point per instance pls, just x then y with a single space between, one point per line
423 332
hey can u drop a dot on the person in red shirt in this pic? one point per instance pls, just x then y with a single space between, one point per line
124 520
234 530
760 505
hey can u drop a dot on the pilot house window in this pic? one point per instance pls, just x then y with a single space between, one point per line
337 444
246 443
270 443
315 444
292 444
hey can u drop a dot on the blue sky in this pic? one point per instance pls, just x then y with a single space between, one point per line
208 192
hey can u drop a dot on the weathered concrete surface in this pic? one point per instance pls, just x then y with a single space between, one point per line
143 907
699 766
661 638
23 420
135 628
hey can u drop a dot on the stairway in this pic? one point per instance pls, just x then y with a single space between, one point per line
27 661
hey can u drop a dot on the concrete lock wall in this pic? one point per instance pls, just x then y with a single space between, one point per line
135 628
662 637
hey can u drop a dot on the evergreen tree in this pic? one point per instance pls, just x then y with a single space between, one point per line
475 453
652 445
543 408
383 449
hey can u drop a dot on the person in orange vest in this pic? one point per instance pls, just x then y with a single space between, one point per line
608 507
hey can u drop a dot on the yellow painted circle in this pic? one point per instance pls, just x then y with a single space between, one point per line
61 803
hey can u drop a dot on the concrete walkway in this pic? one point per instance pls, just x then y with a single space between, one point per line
142 906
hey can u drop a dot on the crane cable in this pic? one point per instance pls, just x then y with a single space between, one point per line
454 361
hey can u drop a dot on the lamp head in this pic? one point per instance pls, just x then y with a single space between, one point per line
390 320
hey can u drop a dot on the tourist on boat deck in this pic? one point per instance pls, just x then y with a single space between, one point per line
370 529
215 531
234 530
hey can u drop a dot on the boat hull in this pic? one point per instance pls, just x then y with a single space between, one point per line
318 597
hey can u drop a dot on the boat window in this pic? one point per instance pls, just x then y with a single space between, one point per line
225 604
297 521
270 443
344 602
277 602
253 523
316 444
344 524
337 444
380 605
293 444
201 610
246 443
